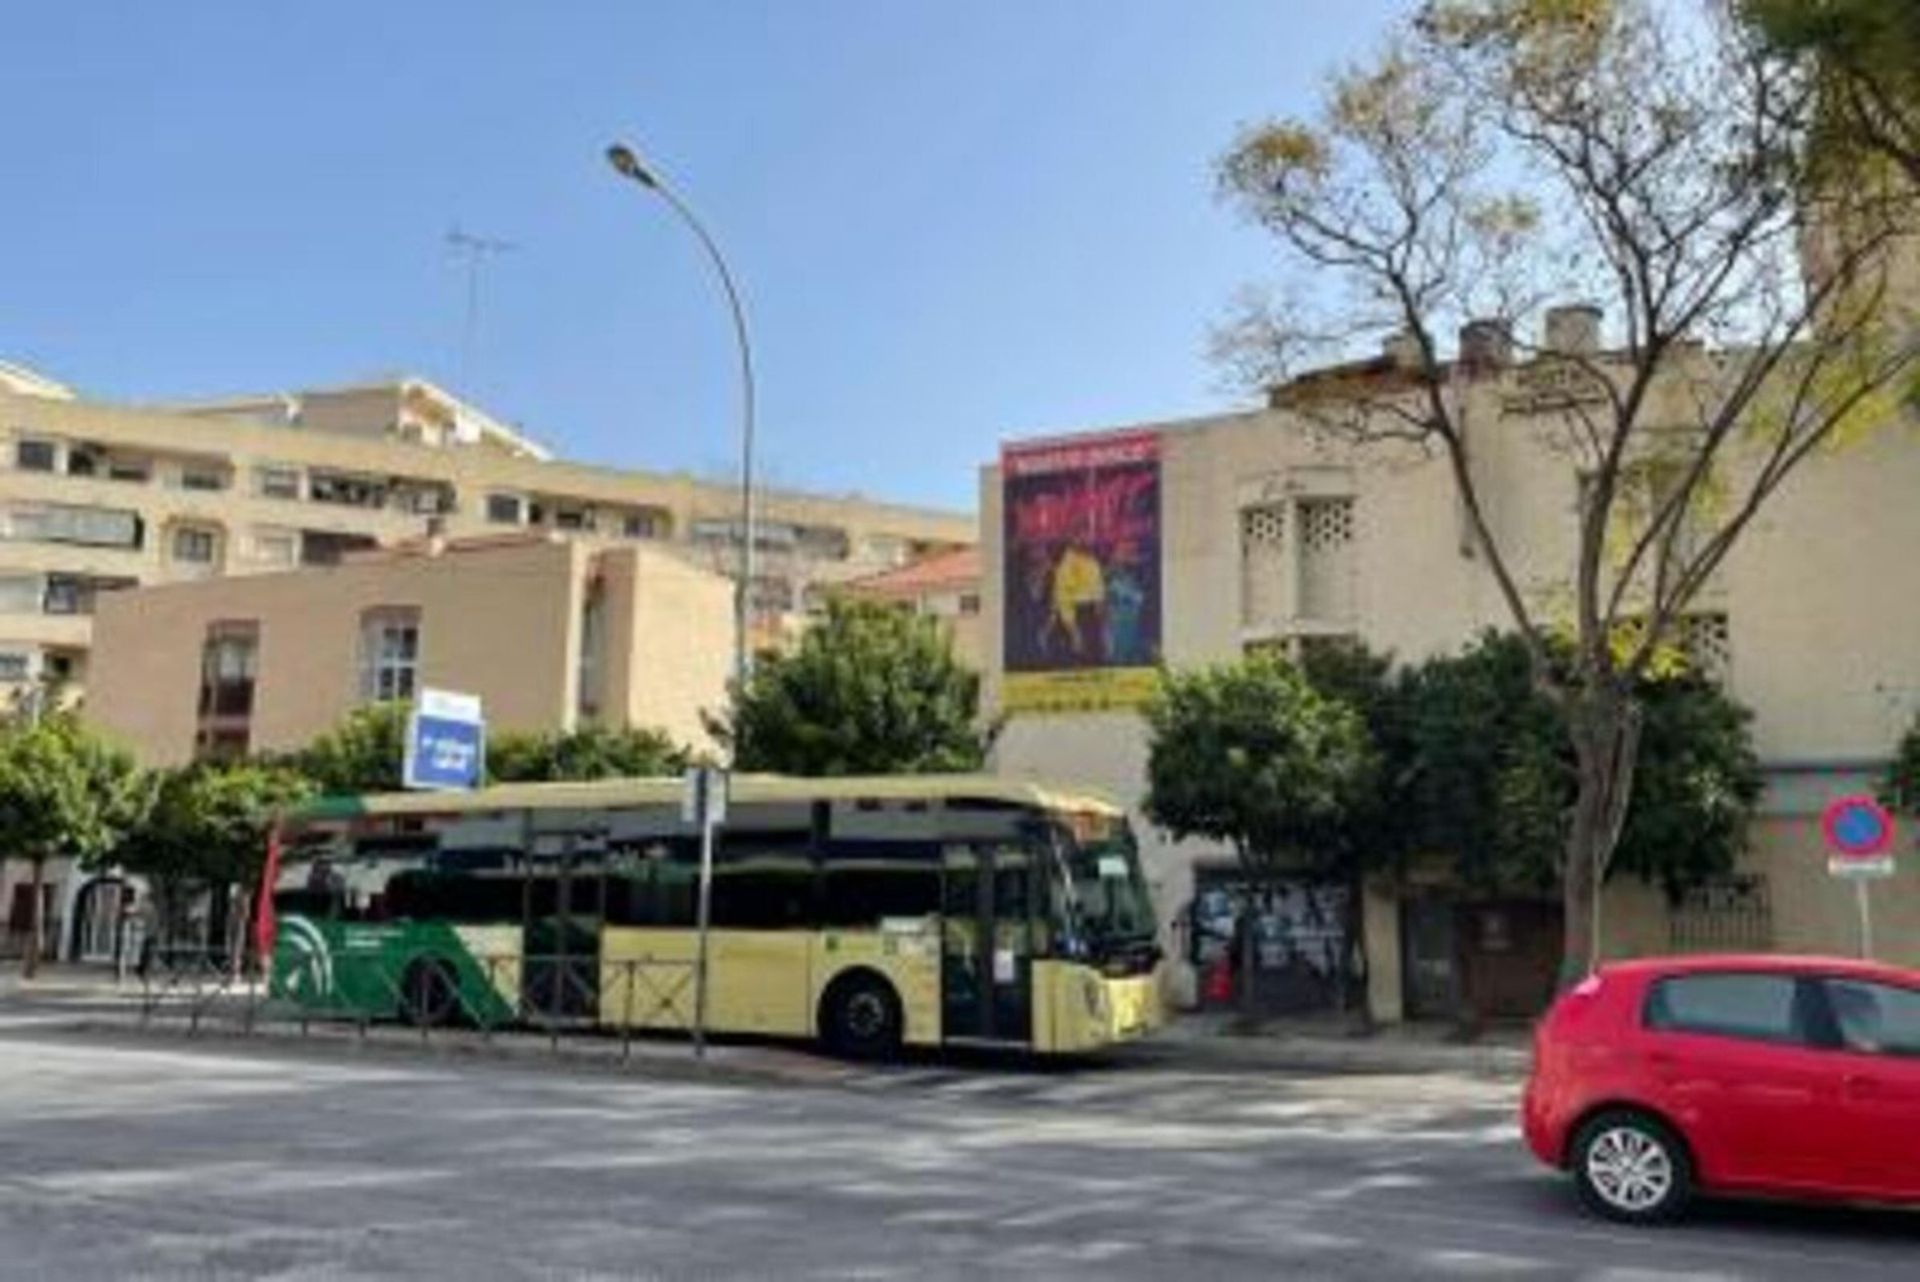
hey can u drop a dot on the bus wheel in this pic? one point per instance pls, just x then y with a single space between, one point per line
860 1017
427 996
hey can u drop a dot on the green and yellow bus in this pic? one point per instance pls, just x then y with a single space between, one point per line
871 913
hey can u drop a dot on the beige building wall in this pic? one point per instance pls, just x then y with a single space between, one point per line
502 620
1821 606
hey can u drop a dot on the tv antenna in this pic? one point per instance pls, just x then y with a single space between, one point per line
475 251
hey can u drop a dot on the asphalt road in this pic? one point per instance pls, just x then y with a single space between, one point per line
165 1158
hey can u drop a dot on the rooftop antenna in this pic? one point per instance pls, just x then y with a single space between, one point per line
475 250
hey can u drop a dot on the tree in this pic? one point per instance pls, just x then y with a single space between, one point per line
590 752
208 827
64 793
1492 781
1864 57
1503 153
872 689
362 754
1900 786
1250 754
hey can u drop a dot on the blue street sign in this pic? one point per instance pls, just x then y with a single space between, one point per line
446 742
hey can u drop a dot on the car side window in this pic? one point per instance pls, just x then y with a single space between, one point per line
1765 1008
1875 1019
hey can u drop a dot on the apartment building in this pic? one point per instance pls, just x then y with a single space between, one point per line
1216 536
96 497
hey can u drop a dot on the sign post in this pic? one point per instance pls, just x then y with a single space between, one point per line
446 746
704 802
1859 834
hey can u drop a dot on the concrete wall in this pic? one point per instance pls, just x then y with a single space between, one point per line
670 642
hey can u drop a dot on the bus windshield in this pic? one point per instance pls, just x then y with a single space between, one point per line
1107 895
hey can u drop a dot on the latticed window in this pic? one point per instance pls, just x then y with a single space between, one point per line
1727 914
1707 641
1326 558
389 654
1263 564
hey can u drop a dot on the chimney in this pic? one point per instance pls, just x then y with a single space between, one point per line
1573 330
1403 349
1485 346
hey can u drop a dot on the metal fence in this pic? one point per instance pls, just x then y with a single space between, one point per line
557 997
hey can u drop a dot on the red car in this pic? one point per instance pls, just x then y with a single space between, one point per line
1776 1076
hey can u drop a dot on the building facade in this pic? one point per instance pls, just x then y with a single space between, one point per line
1270 534
550 632
97 497
944 586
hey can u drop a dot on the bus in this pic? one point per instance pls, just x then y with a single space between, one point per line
868 913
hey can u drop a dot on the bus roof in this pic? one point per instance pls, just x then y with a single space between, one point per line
748 788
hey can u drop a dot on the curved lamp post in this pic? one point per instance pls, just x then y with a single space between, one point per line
626 163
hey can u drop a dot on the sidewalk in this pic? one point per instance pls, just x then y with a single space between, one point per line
1219 1042
65 979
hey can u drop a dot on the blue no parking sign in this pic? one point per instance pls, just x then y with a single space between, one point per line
446 742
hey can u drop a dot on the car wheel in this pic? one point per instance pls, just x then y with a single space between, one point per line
1631 1168
427 997
861 1018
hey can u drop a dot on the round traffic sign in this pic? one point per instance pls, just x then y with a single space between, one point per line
1858 827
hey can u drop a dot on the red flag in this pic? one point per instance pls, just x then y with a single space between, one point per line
265 925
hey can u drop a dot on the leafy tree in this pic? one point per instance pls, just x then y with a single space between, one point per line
361 754
1864 58
1900 786
208 828
1493 781
64 793
590 752
1503 153
872 689
1250 754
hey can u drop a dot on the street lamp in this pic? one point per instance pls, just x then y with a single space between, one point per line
629 165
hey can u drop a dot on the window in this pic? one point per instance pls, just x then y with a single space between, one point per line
134 470
346 490
277 482
229 667
194 545
593 646
389 654
866 882
1263 565
573 518
202 476
506 509
68 594
21 593
969 604
15 665
640 525
1707 641
1875 1019
763 880
276 547
83 460
1765 1008
1326 558
87 526
35 456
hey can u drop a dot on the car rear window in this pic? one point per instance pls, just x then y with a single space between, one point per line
1875 1019
1756 1007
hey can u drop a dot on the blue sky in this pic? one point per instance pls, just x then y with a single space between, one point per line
954 223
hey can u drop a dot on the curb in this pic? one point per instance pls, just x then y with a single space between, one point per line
1499 1063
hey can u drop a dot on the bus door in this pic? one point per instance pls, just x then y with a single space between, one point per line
565 907
986 943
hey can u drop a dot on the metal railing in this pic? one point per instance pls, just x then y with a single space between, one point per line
557 998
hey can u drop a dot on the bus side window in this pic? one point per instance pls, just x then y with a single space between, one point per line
763 880
866 882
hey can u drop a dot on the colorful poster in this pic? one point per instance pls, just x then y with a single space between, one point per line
1082 575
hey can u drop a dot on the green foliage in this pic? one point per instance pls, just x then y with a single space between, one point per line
1491 779
1251 754
361 754
65 792
209 822
590 752
1900 786
872 689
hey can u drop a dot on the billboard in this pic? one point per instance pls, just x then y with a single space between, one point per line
1081 541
